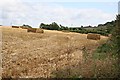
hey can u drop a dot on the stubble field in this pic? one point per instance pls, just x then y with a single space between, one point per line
48 55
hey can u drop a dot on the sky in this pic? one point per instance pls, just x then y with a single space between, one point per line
71 13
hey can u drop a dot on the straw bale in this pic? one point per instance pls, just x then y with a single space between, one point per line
93 36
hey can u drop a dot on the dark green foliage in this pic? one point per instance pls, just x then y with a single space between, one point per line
111 26
100 25
63 28
113 44
116 40
108 26
42 25
27 26
53 26
99 56
116 35
111 49
105 48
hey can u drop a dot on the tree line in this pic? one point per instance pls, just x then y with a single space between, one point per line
103 29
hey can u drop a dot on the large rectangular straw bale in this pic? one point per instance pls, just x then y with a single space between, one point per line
93 36
39 30
31 30
35 30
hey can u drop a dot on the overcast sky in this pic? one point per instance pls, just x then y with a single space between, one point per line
67 12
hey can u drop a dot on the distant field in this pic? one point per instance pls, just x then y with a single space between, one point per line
51 54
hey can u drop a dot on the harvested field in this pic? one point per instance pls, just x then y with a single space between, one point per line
52 54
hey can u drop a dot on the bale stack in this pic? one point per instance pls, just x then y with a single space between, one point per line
15 26
23 27
31 30
93 36
39 31
35 30
16 29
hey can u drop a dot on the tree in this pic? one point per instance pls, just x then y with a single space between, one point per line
54 26
27 26
41 25
81 26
